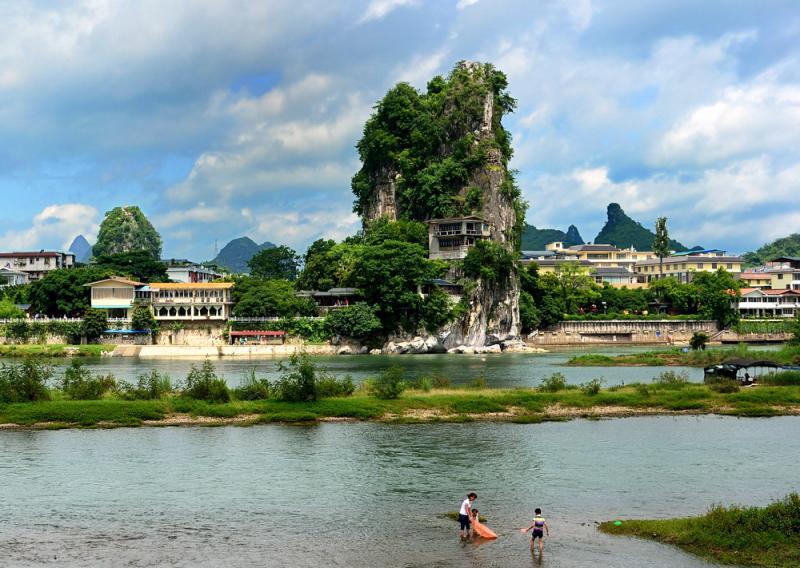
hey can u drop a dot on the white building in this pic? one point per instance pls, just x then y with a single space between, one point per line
192 273
9 277
36 264
451 239
756 302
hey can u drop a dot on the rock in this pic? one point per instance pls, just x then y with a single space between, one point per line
489 349
462 350
345 350
364 350
375 352
514 345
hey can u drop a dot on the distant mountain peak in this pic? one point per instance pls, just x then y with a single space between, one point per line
235 255
623 232
537 239
81 248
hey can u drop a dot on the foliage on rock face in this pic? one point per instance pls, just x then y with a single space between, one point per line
489 261
274 263
143 319
269 298
126 229
382 229
95 322
431 142
436 310
139 265
357 321
785 246
63 292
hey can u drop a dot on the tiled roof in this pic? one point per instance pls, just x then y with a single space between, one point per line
191 285
116 279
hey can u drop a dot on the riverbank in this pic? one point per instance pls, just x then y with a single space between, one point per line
414 406
788 354
55 350
750 536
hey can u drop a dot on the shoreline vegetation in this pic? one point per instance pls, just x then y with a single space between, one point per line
787 354
750 536
55 350
304 393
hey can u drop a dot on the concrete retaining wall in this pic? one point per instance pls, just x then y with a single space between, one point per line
622 331
201 352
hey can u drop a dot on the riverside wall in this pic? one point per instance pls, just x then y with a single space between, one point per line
622 331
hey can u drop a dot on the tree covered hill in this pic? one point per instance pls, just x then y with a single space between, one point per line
623 232
786 246
126 229
236 254
537 239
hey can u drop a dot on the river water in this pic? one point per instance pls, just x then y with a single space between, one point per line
498 370
370 495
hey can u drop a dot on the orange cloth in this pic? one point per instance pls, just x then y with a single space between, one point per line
482 530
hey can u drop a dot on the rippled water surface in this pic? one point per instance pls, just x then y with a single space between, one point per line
341 494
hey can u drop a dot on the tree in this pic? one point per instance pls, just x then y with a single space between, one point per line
126 229
64 292
698 341
794 328
680 298
95 323
269 298
140 265
275 263
489 261
575 286
9 310
547 306
717 292
661 243
142 319
357 321
319 266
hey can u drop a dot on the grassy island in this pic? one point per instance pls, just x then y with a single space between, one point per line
675 357
56 350
749 536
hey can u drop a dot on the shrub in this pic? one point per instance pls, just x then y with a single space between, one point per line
642 389
357 321
149 386
784 379
389 384
424 384
592 387
698 340
672 380
297 382
95 322
25 382
204 384
79 383
253 388
726 386
329 386
553 383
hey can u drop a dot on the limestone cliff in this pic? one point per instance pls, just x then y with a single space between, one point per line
442 154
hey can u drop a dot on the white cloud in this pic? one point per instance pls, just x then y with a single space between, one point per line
421 68
55 226
461 4
378 9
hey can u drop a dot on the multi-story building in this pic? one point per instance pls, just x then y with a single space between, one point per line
760 280
607 256
171 301
755 302
36 264
451 239
9 277
784 273
192 273
683 266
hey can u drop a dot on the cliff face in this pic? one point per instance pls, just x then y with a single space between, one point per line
462 170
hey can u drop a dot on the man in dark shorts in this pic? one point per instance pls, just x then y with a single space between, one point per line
465 514
539 526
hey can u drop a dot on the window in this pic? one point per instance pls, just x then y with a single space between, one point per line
729 266
714 265
780 276
699 265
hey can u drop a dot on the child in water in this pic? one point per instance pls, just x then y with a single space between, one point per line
479 528
539 526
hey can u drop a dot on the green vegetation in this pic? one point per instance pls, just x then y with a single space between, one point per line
786 246
537 239
784 378
752 536
54 350
255 297
142 319
274 263
203 384
94 323
357 321
488 261
126 229
79 383
64 292
789 354
389 385
698 340
661 243
623 232
9 310
235 255
24 382
139 265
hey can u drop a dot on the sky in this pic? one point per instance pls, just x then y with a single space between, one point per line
228 118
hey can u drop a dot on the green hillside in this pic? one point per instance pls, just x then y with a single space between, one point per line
623 232
235 255
537 239
786 246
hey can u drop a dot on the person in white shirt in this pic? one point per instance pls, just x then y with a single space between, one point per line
465 514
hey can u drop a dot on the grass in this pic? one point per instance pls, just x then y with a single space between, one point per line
702 358
751 536
524 406
59 350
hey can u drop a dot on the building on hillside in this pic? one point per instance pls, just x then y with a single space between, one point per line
683 266
755 302
192 273
451 239
170 301
36 264
332 299
10 277
784 273
751 279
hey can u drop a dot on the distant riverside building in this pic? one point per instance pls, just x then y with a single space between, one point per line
333 298
784 273
36 264
9 277
607 256
451 239
684 265
192 273
755 302
760 280
171 301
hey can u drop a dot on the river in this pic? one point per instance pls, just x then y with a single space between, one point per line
498 370
369 495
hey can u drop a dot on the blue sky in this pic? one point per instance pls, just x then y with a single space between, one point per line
231 118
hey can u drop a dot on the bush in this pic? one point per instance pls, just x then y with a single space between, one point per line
253 388
357 321
592 387
672 380
79 383
329 386
642 389
389 384
149 386
424 384
553 383
726 386
204 384
783 379
698 340
95 322
298 383
26 382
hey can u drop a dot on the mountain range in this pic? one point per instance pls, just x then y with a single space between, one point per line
537 239
235 255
